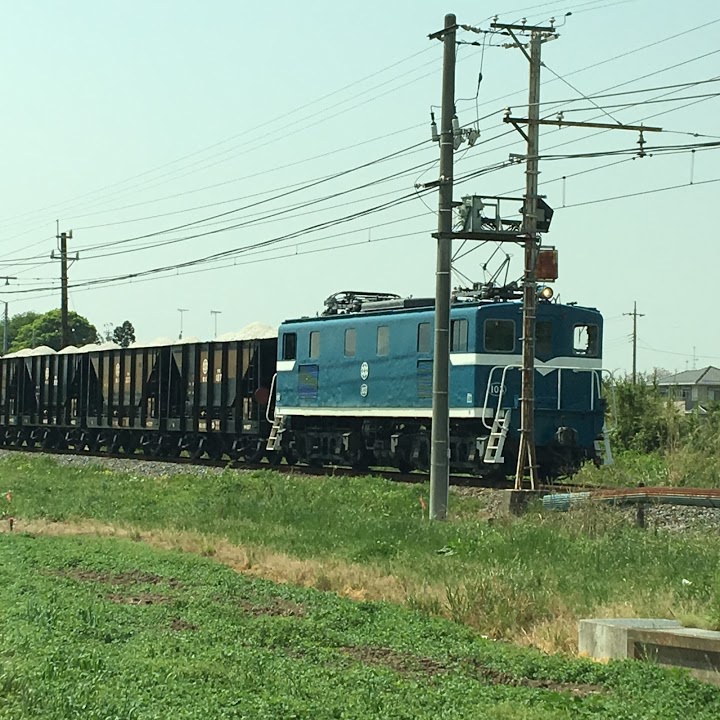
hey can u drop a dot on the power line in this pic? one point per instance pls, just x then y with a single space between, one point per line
278 118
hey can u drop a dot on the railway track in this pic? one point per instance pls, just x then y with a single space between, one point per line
325 471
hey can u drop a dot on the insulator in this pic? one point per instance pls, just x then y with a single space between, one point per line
434 132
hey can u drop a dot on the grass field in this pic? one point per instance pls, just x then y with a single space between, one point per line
528 580
106 628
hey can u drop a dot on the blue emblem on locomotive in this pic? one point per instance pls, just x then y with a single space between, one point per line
354 386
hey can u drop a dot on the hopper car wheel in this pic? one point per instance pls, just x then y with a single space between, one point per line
197 448
254 451
215 448
360 462
50 441
129 443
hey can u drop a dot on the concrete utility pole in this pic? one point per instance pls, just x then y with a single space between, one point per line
215 314
5 329
62 238
635 315
6 319
440 445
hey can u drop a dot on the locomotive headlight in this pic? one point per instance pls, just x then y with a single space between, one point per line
546 293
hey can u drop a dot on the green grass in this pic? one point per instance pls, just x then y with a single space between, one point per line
211 643
530 578
679 467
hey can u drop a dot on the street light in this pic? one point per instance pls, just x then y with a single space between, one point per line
214 314
182 311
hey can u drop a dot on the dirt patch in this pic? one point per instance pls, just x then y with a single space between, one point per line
130 577
405 663
140 599
400 662
179 625
276 607
498 677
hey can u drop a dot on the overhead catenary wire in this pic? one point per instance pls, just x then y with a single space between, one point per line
280 117
655 43
200 221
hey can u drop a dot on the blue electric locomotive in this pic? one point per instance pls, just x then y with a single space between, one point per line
354 386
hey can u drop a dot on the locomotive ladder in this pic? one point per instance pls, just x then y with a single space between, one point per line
498 434
278 428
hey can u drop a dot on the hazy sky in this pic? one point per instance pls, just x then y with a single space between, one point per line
124 119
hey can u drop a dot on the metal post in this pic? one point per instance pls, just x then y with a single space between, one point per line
440 446
526 453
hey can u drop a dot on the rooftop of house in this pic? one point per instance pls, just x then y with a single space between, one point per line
709 375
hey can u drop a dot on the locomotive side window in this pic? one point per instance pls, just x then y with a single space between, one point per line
314 349
289 346
458 335
383 340
350 342
424 338
586 340
499 335
543 338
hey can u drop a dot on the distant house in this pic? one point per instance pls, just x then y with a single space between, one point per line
692 389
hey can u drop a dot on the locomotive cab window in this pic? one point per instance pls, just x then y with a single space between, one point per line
586 340
289 346
350 342
543 338
499 336
458 335
314 349
383 340
424 338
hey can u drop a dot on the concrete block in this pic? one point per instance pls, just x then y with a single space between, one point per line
664 642
515 502
607 638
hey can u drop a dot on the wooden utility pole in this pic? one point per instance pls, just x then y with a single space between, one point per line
635 315
526 451
440 445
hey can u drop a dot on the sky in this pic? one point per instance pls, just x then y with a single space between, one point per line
256 146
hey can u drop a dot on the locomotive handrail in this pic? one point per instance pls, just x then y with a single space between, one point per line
594 378
270 401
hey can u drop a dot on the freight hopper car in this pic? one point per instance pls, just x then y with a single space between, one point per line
161 399
354 386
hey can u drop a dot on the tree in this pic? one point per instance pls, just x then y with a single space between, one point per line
124 334
47 330
17 322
